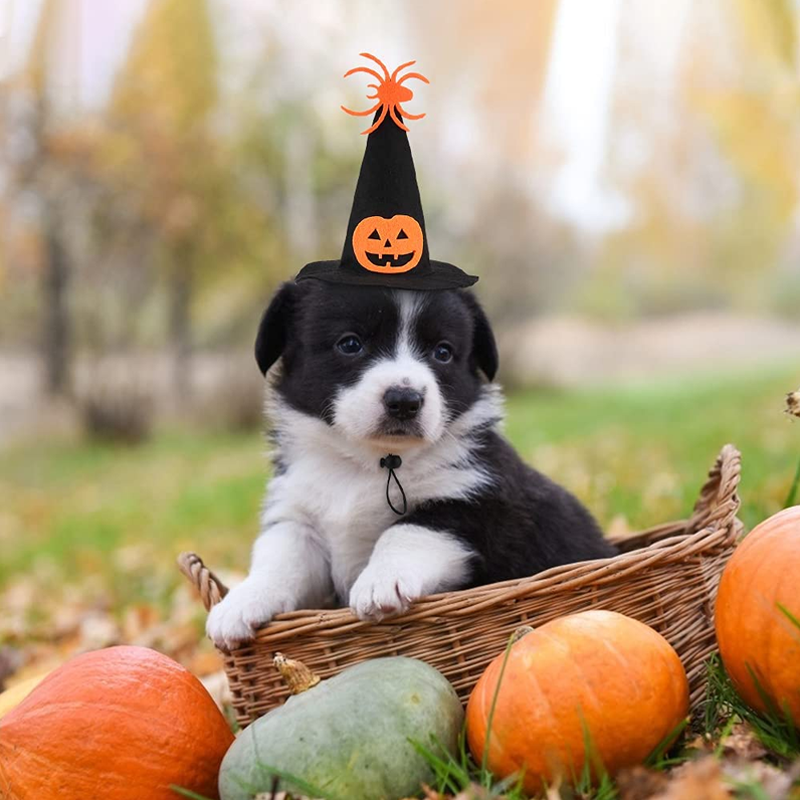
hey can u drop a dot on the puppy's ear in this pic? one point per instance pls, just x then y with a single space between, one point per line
274 327
484 347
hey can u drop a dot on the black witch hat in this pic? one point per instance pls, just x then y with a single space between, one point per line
386 243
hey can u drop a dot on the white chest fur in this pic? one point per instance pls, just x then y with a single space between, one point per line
337 489
343 503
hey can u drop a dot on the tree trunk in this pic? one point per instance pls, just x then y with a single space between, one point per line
57 334
181 327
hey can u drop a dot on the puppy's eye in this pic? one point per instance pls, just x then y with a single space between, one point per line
443 352
350 345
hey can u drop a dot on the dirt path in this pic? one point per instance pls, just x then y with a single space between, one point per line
566 351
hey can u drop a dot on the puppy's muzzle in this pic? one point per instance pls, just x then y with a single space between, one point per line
402 403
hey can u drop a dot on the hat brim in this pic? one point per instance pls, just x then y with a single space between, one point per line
440 276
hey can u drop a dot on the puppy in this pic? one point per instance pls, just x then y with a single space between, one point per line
366 373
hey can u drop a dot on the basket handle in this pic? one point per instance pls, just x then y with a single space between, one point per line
719 500
211 588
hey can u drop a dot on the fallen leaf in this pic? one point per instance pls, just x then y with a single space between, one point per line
774 783
554 792
217 686
11 659
204 662
98 630
696 780
280 796
639 783
619 527
743 743
137 620
793 403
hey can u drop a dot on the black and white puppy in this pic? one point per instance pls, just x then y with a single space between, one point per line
365 372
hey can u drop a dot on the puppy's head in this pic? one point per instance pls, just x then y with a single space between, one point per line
389 367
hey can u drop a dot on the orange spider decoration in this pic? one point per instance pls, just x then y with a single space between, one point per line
389 91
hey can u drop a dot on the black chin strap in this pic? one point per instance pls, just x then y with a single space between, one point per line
393 462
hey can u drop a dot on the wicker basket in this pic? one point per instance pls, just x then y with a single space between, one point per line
666 576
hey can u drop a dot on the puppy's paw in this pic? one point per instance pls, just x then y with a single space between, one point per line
380 593
242 611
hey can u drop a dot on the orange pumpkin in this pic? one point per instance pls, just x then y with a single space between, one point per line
757 639
388 245
597 676
118 723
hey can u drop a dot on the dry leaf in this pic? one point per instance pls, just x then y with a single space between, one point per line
554 792
217 686
640 783
793 403
98 630
743 743
696 780
11 660
475 792
775 783
204 662
137 620
280 796
619 527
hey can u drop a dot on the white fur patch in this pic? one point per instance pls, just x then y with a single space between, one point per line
408 562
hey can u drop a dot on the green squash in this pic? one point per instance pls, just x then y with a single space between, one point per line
348 736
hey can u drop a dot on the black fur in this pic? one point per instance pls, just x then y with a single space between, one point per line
520 525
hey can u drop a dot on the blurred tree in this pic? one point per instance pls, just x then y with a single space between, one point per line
46 165
755 113
485 178
749 99
704 146
166 155
526 256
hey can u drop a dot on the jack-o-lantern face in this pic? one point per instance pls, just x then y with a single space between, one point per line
388 245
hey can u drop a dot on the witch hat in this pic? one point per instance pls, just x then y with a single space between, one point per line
386 243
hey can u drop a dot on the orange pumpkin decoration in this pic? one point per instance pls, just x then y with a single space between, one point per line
120 723
597 676
759 643
388 245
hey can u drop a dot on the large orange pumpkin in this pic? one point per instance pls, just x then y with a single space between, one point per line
757 639
120 723
597 676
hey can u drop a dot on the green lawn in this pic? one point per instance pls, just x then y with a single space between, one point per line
112 518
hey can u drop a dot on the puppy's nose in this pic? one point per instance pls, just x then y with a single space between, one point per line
402 403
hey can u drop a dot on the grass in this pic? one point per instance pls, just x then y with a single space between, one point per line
123 513
113 518
791 498
642 451
774 729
